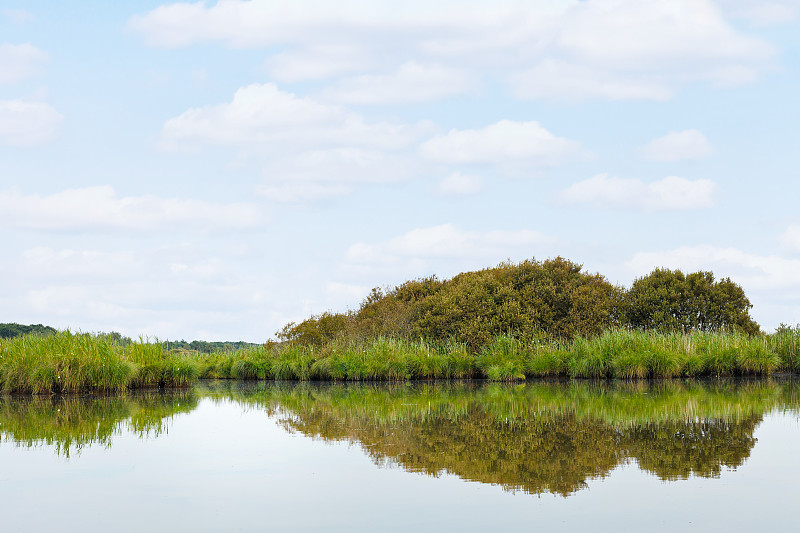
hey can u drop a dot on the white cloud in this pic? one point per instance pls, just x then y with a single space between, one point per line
48 263
18 61
460 184
101 208
670 193
271 118
678 145
752 271
504 142
560 80
446 241
27 123
411 82
790 238
607 49
628 49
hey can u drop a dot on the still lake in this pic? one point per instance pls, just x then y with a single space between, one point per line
716 455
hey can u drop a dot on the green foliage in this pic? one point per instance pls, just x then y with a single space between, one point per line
531 300
315 331
205 346
76 362
786 344
11 330
669 300
525 299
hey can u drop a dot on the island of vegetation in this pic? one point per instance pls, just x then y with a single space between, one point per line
515 321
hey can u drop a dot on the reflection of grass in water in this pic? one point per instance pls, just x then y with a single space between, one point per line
70 423
536 437
548 436
617 404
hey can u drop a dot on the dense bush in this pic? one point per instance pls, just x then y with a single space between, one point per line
669 300
552 299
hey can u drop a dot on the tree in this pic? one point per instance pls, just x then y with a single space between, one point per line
669 300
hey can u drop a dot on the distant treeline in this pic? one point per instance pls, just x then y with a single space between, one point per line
12 330
208 347
552 299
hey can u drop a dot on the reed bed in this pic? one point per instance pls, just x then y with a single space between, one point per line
75 362
78 362
617 354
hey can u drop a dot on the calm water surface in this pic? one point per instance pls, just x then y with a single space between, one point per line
699 456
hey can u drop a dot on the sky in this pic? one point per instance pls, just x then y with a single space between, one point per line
216 170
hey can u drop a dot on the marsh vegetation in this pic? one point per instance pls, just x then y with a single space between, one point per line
511 322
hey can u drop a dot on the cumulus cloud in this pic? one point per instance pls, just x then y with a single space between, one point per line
101 208
305 149
49 263
445 241
272 118
18 61
503 142
678 145
457 184
750 270
670 193
411 82
27 123
557 79
606 49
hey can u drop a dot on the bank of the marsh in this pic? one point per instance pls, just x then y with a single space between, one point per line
68 362
621 354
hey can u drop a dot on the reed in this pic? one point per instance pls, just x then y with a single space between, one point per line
76 362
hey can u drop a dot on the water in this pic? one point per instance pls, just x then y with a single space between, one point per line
704 456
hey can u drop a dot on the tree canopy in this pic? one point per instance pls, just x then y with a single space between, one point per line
532 299
669 300
11 330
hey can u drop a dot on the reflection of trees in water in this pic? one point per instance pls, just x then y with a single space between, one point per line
550 438
556 454
538 437
71 423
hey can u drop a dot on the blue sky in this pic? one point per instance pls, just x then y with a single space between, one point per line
216 170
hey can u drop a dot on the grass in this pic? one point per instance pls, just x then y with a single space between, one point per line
75 362
618 354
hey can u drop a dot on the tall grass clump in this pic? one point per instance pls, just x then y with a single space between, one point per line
251 363
76 362
389 359
589 358
503 359
64 362
157 368
785 343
